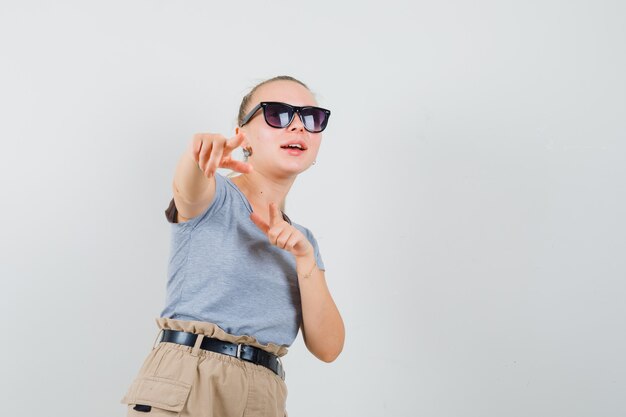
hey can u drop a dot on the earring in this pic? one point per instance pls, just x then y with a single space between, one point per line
247 151
313 163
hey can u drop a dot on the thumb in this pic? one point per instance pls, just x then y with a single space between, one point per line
234 142
260 223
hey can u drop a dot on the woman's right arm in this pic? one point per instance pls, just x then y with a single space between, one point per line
194 179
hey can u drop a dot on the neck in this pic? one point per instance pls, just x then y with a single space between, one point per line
260 190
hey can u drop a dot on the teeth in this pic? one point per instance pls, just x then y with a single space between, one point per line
295 145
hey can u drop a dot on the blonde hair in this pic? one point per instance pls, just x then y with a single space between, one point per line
245 102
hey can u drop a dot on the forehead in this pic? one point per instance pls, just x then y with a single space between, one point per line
286 91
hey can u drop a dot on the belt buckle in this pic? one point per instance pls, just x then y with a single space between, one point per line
238 354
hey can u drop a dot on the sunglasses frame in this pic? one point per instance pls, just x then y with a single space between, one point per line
295 109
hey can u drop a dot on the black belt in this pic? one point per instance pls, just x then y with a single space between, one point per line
245 352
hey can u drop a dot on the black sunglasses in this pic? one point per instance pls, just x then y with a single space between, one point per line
280 115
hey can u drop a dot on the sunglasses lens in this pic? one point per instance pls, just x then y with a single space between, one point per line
314 119
278 115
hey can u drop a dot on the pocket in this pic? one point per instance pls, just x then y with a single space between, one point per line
164 397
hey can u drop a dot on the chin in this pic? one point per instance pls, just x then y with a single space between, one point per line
293 168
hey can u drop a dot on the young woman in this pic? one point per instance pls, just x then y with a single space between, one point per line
243 278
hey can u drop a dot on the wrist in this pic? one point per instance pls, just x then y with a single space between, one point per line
306 265
305 258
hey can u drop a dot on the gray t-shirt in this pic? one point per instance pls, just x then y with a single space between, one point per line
223 269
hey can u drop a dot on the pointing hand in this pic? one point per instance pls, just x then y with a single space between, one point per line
282 234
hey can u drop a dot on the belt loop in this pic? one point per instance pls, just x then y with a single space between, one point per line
196 346
157 337
282 367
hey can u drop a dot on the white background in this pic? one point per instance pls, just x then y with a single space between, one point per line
468 197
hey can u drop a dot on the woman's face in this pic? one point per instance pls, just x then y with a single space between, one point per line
269 154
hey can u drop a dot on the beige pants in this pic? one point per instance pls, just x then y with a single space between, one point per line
183 381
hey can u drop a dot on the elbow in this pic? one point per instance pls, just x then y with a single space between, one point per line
329 355
326 347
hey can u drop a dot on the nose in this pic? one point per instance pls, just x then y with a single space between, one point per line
296 123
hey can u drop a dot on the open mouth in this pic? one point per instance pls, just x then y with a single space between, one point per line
294 146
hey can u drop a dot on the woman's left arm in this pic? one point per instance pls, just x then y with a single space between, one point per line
322 327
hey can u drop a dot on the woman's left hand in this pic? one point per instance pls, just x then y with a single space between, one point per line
282 234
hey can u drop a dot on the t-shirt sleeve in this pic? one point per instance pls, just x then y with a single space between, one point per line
318 255
216 204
